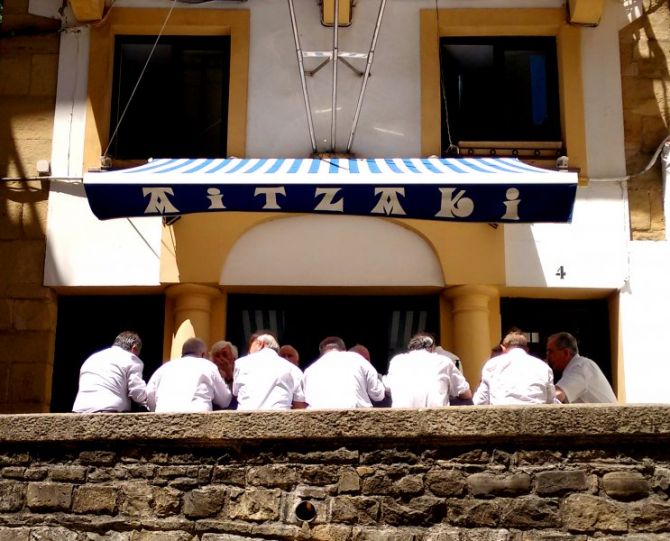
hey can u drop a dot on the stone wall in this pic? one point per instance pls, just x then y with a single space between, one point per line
28 72
542 473
645 67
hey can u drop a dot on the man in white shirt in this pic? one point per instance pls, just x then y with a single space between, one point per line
581 381
263 380
341 379
423 378
515 377
189 384
111 378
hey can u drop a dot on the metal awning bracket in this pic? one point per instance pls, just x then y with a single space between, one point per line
328 56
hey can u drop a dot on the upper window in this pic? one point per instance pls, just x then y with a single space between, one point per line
499 89
180 105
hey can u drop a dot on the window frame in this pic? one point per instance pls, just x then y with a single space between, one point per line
436 24
149 21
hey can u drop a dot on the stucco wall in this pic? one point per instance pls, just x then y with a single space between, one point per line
28 69
482 473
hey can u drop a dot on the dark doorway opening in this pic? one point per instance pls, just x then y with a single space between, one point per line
586 320
382 324
87 324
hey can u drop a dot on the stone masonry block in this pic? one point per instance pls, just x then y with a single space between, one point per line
15 70
625 485
97 458
34 219
13 472
527 512
10 217
273 476
256 505
204 502
560 482
473 513
349 482
446 482
26 348
12 497
354 510
49 496
410 485
44 74
229 475
95 499
650 515
421 511
161 536
29 382
136 499
34 315
166 501
484 484
586 513
14 534
72 474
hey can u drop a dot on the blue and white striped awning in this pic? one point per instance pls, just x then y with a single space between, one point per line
489 190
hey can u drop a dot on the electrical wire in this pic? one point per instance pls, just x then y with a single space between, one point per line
651 163
139 79
452 148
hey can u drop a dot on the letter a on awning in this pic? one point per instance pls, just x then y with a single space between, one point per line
492 190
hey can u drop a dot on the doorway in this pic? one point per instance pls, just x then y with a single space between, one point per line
586 320
87 324
381 323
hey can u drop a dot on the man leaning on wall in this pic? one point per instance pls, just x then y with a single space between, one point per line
581 380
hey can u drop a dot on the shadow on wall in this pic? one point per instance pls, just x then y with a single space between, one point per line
645 73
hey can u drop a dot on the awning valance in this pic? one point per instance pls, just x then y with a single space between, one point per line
503 190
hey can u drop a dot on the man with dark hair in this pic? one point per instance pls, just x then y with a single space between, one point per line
581 380
111 378
422 378
341 379
515 377
189 384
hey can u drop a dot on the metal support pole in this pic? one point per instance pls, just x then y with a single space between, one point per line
333 118
366 76
303 82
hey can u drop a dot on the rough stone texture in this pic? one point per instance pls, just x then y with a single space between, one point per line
645 70
611 483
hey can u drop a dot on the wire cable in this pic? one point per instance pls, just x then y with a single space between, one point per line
139 78
452 148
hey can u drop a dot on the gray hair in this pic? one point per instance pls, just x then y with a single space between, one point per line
268 341
127 339
515 340
194 347
564 340
421 340
223 344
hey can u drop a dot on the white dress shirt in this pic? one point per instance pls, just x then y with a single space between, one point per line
265 381
516 377
108 380
342 380
584 383
186 385
423 379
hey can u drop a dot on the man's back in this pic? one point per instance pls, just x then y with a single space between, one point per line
341 380
584 383
422 378
108 380
186 385
264 380
515 378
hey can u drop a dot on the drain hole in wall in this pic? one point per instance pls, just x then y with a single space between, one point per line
305 511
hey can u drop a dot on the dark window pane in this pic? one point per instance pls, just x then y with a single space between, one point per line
500 89
180 106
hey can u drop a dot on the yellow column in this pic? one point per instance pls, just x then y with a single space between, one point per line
192 314
472 334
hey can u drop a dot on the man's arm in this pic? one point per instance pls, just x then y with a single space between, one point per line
375 386
560 395
222 395
137 388
482 395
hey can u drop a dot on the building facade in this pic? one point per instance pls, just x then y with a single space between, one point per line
587 80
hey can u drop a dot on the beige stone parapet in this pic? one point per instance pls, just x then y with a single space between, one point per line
565 425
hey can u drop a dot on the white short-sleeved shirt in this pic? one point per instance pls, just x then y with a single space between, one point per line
584 383
109 380
342 380
515 377
423 379
265 381
189 384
